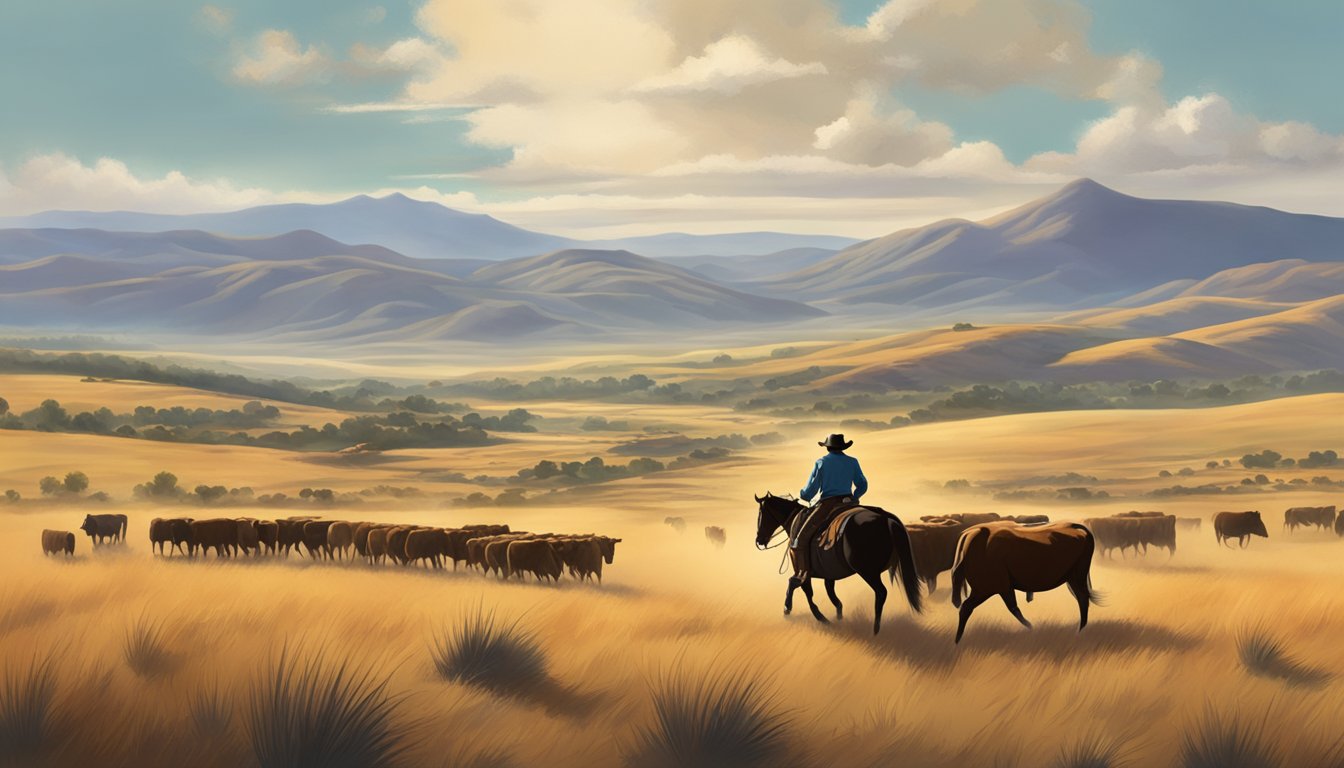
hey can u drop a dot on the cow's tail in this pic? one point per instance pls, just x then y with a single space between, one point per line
121 527
903 563
959 566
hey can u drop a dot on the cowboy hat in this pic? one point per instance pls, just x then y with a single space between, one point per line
837 442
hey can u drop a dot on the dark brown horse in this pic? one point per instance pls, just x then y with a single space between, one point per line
872 542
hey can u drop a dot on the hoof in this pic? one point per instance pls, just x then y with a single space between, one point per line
787 611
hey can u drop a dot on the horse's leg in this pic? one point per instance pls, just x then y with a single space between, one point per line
1010 599
879 597
967 606
788 595
839 606
1030 595
812 603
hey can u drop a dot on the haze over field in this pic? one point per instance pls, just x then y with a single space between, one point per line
432 384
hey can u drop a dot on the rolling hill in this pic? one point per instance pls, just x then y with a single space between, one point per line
303 286
1084 246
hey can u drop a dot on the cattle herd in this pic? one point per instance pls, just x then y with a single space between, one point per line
494 549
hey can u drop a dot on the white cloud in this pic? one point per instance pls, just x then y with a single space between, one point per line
728 65
367 107
412 54
215 18
872 132
276 57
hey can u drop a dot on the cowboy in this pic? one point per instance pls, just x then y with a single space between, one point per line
841 483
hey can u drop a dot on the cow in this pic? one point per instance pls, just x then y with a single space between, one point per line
160 534
181 532
1321 517
219 534
362 539
716 535
340 537
535 556
249 540
268 534
396 543
934 545
1114 533
1339 526
1238 525
476 548
582 555
1003 558
429 544
497 555
678 523
101 528
1134 513
315 539
290 534
1028 519
58 542
378 544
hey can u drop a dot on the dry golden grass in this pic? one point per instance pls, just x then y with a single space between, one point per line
1159 670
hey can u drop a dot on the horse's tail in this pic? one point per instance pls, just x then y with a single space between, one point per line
903 561
958 565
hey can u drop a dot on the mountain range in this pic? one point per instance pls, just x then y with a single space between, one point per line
417 228
1111 285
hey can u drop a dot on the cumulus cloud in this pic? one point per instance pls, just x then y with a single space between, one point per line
728 65
276 57
59 181
412 54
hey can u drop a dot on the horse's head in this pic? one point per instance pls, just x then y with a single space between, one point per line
772 513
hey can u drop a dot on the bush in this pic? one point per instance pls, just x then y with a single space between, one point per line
319 712
1222 742
1266 459
50 486
483 653
76 482
717 720
963 327
1094 750
27 712
12 495
211 711
144 649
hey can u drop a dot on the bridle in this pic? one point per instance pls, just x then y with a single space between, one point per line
783 525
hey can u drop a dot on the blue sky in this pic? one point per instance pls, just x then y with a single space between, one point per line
161 87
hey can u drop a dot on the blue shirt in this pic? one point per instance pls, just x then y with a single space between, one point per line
834 475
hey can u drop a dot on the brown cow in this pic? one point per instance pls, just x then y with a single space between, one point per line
340 537
362 539
1339 526
1238 525
535 556
290 534
315 539
1321 517
160 534
934 545
249 540
716 535
965 518
58 542
1028 519
429 544
181 530
378 544
101 528
219 534
268 534
582 555
396 543
1114 533
1003 558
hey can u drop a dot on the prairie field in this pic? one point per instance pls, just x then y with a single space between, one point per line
172 661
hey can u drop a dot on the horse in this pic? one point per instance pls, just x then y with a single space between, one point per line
872 542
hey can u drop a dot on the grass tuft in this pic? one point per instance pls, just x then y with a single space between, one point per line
317 711
27 711
144 648
1094 750
211 711
1218 741
485 653
1265 655
716 721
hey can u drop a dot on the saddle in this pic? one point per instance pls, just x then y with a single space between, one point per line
831 533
